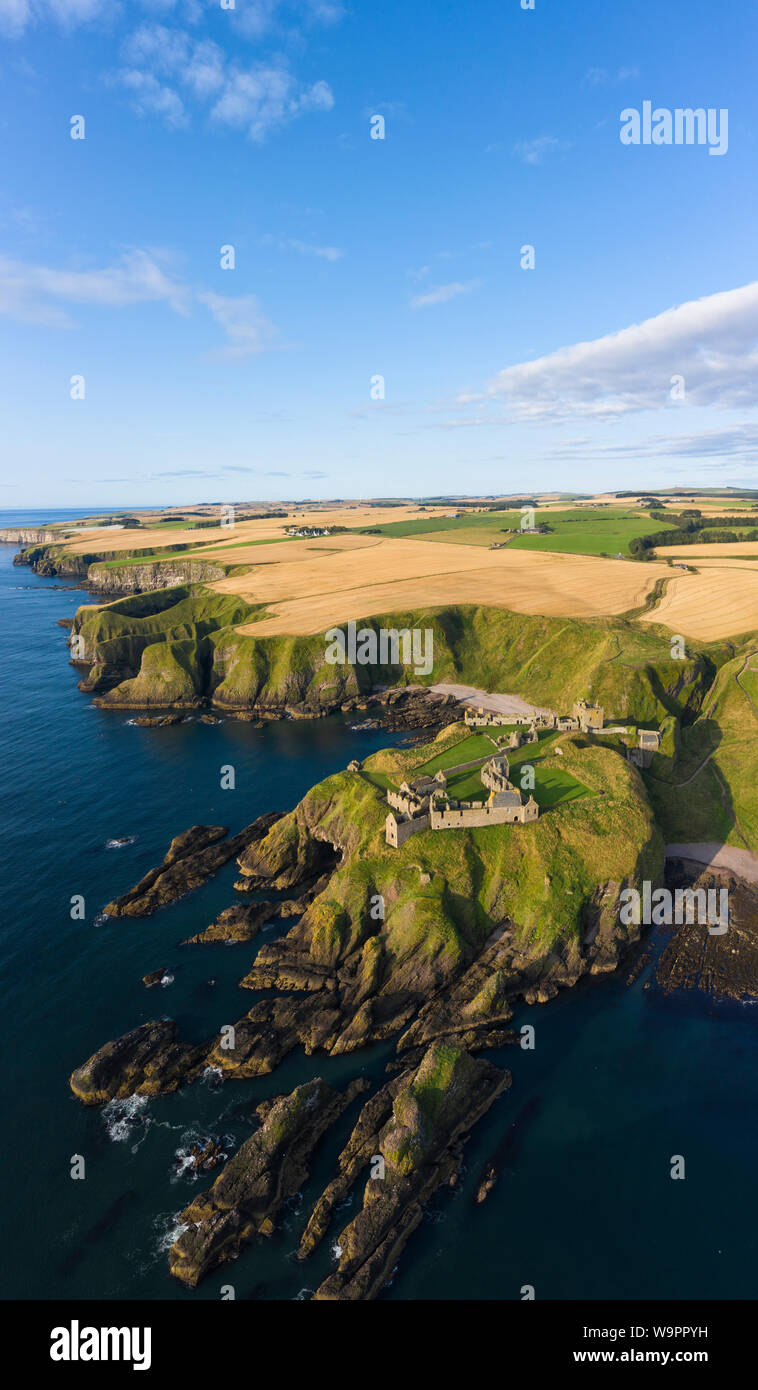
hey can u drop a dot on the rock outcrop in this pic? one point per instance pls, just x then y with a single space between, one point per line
148 1061
191 858
721 964
411 1135
264 1173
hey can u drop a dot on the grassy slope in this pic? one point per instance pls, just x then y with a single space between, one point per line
550 661
541 876
721 800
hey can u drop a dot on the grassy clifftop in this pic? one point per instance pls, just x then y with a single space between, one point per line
443 892
151 648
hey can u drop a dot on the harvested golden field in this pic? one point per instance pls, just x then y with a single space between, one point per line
710 552
309 585
718 600
355 514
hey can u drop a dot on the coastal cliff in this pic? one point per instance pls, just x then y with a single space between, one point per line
177 645
430 947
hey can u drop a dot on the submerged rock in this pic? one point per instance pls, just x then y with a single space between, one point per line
153 977
721 964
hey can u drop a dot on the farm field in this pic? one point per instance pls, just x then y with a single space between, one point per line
579 530
169 532
718 600
307 590
715 551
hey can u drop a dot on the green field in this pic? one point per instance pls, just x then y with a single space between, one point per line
580 531
590 531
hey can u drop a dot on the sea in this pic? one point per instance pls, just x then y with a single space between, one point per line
622 1083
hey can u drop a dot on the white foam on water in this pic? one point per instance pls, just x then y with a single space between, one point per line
123 1116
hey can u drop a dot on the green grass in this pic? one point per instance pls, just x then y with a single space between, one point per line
581 531
474 746
554 787
586 531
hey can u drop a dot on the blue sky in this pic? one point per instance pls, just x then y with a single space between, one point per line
355 258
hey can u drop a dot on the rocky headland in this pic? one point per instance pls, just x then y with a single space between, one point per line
430 947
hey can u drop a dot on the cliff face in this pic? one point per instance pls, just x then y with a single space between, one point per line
156 574
26 535
135 658
54 560
179 646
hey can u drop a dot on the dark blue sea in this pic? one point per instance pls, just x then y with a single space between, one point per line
620 1079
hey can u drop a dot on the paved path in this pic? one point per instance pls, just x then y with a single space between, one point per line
737 861
499 704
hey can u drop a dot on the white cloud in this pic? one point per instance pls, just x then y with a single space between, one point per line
534 151
261 98
601 77
36 294
151 98
734 442
166 68
712 343
17 15
246 326
41 294
443 293
304 248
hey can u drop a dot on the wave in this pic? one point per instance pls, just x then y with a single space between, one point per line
123 1117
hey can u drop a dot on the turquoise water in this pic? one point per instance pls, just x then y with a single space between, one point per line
619 1081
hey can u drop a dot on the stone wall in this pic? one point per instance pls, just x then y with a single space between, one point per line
397 834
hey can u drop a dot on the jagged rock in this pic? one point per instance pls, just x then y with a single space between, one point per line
207 1156
147 1061
235 924
192 857
156 721
414 1127
267 1169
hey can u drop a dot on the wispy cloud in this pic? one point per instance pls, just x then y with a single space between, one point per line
304 248
43 295
36 294
534 151
168 72
712 343
601 77
443 293
17 15
735 442
248 330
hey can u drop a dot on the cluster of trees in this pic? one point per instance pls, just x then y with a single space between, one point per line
690 526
